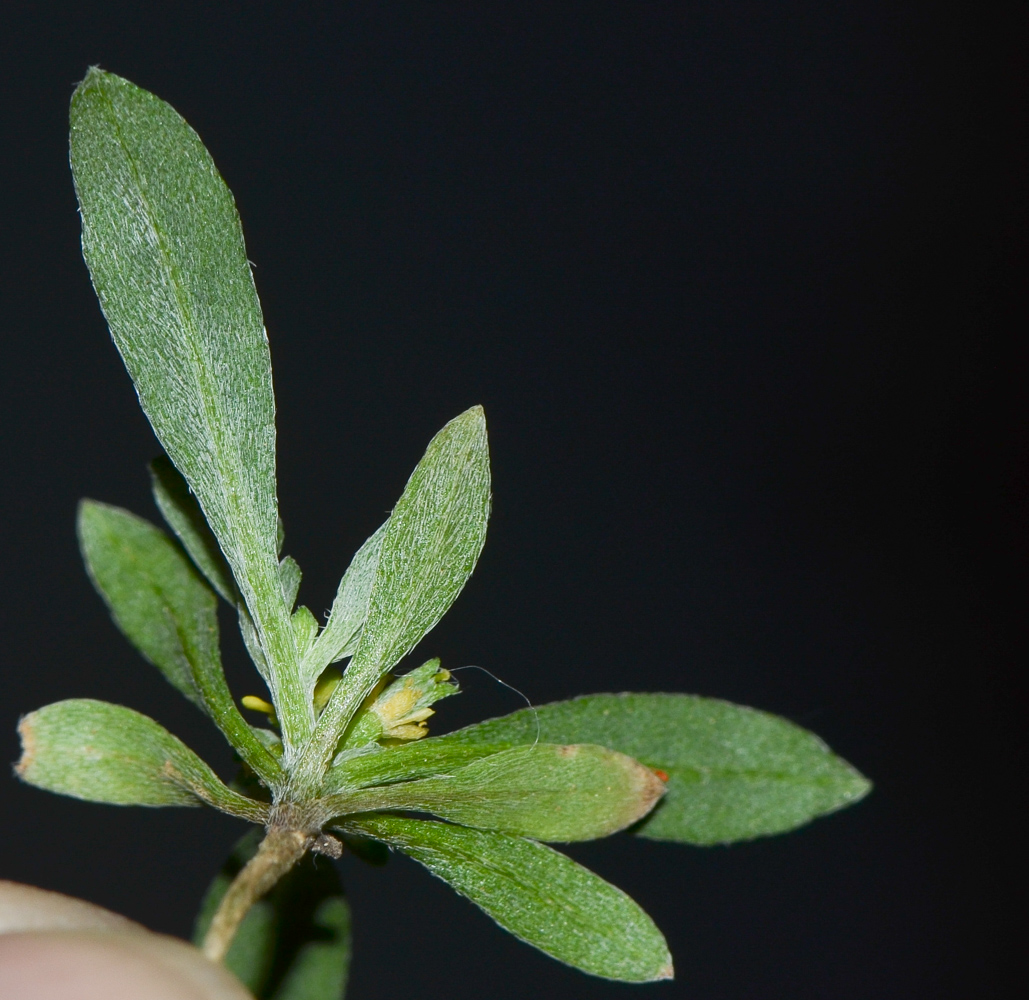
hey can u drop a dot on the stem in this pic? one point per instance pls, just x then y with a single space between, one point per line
279 851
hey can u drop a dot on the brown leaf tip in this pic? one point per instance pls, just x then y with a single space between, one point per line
652 785
28 746
666 972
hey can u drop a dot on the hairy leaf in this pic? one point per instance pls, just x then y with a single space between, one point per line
166 611
349 611
101 752
554 793
305 627
154 595
289 578
294 944
180 510
432 542
421 759
537 894
733 773
165 250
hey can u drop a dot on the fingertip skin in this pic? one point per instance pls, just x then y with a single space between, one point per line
55 946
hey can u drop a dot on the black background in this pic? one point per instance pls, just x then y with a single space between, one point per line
739 287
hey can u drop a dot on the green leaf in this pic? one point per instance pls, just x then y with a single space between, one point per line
294 944
100 752
183 515
421 759
166 611
253 643
180 510
734 773
289 578
305 626
348 614
155 597
554 793
432 542
537 894
165 251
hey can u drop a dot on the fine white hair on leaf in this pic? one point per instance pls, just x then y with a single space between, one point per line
510 687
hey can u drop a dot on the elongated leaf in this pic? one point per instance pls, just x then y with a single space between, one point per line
106 753
734 773
537 894
253 643
432 542
547 792
294 944
165 250
166 611
349 611
183 515
154 595
421 759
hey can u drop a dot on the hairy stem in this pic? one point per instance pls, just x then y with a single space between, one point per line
279 851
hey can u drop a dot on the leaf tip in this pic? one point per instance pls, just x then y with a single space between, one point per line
849 788
860 786
86 511
94 79
28 746
650 788
667 971
473 417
